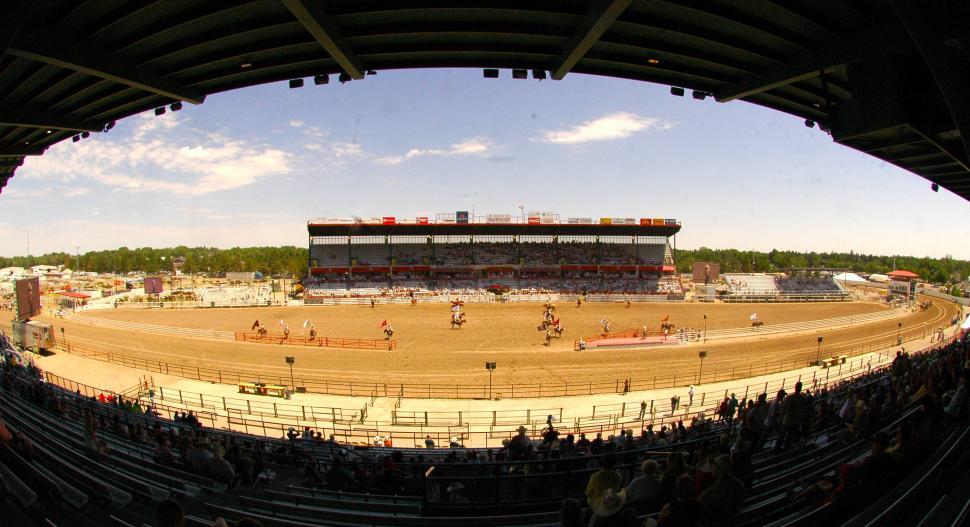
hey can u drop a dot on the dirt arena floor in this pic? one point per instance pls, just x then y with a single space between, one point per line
430 352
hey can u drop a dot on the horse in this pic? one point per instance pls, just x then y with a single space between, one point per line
262 332
458 319
757 323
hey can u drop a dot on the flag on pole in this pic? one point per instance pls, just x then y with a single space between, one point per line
754 316
282 324
456 308
306 323
666 318
383 323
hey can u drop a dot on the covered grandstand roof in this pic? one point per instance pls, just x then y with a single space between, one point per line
483 229
886 77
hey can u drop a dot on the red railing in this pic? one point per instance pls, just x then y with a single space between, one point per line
628 334
320 342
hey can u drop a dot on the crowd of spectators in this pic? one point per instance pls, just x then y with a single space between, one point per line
702 481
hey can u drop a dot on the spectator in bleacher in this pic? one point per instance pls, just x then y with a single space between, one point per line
723 499
428 442
644 489
792 410
5 436
683 510
675 467
170 514
956 409
603 486
571 513
755 419
520 447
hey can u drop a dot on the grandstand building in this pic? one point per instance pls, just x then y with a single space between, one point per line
537 253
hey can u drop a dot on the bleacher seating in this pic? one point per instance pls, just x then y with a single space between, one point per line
367 254
820 464
330 255
752 284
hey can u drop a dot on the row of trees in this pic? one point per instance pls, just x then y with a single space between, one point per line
293 261
270 261
937 270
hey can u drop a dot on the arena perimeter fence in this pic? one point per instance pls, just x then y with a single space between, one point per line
485 390
473 429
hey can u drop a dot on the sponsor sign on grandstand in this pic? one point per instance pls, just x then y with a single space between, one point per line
657 221
421 220
535 220
388 220
498 218
461 216
550 217
606 221
670 221
645 221
624 221
579 221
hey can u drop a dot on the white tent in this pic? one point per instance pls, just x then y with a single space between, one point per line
849 277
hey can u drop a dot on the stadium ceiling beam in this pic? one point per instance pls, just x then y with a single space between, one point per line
15 13
11 162
947 68
827 59
15 115
38 44
20 151
313 17
948 148
598 19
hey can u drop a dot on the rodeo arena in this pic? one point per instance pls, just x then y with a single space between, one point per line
500 370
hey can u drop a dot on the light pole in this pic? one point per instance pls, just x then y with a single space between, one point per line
63 339
818 352
700 372
290 361
490 366
705 327
899 328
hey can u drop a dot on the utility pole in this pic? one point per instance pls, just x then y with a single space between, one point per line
77 256
490 366
818 352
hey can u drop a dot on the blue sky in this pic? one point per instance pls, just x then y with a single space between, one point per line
250 167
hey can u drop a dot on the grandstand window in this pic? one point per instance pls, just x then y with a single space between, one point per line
464 238
408 240
328 240
617 239
495 238
367 240
529 238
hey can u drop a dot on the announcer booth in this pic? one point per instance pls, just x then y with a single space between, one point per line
902 284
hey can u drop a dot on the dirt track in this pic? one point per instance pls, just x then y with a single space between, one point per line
430 352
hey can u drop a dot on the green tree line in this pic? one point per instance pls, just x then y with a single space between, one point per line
937 270
293 261
267 260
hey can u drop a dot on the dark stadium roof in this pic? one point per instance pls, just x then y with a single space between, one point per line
887 77
483 229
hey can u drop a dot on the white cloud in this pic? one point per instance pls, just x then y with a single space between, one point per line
158 158
296 123
475 146
613 126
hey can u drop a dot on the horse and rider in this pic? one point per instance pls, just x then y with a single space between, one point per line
458 320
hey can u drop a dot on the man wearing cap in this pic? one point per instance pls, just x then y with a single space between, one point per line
520 446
